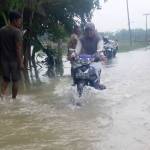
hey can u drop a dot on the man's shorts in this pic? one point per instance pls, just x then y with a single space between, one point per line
10 71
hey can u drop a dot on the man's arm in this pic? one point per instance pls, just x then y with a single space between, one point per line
19 40
19 54
0 44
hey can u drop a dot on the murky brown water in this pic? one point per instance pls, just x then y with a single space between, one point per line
115 119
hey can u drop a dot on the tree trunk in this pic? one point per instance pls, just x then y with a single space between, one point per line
26 60
59 63
28 17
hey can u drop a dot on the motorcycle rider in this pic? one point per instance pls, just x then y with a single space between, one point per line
106 40
91 44
116 45
108 47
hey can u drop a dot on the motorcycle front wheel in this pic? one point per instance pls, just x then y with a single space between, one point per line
80 87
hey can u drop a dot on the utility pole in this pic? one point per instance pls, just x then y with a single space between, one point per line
129 26
146 30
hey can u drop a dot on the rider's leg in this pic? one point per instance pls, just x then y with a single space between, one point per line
73 75
96 82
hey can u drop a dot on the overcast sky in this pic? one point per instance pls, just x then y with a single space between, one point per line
113 15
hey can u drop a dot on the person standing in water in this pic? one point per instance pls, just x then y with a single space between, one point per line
11 58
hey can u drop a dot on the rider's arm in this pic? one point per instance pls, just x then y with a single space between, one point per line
78 47
19 44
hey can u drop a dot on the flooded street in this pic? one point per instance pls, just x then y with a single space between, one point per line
117 118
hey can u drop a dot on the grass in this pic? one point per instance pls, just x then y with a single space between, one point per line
124 46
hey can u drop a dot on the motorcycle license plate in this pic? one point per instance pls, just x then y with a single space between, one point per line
82 75
109 49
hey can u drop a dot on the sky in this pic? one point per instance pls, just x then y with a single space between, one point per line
113 15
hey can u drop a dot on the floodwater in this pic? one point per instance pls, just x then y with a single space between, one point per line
117 118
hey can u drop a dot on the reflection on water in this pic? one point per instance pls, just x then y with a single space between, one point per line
114 119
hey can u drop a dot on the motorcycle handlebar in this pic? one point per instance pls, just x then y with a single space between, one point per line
95 57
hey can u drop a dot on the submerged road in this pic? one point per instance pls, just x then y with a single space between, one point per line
117 118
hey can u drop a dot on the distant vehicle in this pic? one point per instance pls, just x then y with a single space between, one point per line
110 48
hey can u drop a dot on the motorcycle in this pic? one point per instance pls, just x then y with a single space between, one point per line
108 50
87 70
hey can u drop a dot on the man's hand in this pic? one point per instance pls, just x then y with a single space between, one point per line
102 56
21 65
73 55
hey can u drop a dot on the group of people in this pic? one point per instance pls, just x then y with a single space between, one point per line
89 43
11 58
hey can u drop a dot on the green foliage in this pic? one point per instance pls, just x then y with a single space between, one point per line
55 16
6 5
124 46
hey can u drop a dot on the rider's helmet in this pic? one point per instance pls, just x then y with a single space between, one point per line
105 39
90 26
89 30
